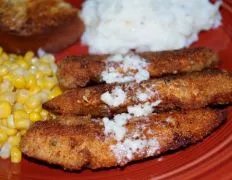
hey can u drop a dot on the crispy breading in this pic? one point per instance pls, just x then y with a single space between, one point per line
74 144
189 91
30 17
78 71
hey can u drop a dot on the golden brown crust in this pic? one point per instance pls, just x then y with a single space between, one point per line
74 145
189 91
30 17
78 71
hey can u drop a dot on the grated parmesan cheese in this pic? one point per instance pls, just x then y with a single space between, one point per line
115 126
143 109
121 69
142 96
125 151
125 68
146 94
115 98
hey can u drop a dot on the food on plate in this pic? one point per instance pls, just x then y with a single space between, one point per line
131 117
79 71
119 26
30 25
25 83
191 90
74 144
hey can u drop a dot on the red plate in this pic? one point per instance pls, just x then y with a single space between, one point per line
210 159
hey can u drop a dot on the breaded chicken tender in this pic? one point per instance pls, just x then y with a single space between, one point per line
79 71
74 144
189 91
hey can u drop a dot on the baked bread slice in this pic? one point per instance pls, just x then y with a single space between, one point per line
29 25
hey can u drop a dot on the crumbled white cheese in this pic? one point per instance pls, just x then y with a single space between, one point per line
144 95
115 126
156 103
125 68
115 98
125 151
142 109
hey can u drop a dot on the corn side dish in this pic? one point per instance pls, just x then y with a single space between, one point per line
26 82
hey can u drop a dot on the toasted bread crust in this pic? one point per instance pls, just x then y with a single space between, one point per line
29 17
189 91
74 144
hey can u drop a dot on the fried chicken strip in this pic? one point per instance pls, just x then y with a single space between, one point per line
190 91
78 71
74 144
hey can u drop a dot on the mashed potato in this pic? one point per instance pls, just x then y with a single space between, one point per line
117 26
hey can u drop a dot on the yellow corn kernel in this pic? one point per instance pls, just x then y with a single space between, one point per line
13 56
56 91
3 70
22 96
7 96
20 114
19 82
14 140
1 61
6 86
3 136
27 110
45 68
4 122
10 122
43 59
33 102
22 123
44 114
34 116
28 56
1 50
50 58
35 90
39 75
4 56
21 62
38 109
9 77
18 106
47 82
5 109
23 131
31 81
16 155
11 132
